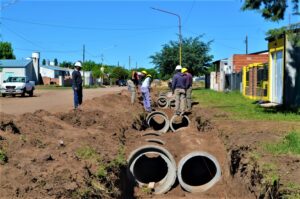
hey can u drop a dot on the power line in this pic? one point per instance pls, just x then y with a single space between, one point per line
85 28
188 16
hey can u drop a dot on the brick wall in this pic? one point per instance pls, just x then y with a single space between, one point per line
243 60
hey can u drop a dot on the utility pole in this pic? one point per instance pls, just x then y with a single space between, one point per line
129 63
83 59
246 41
83 53
179 27
136 65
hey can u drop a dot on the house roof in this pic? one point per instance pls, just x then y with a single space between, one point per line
55 68
13 63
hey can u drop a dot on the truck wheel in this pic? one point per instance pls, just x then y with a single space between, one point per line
3 95
31 93
23 94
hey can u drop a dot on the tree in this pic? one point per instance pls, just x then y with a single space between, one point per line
6 51
270 9
194 56
55 62
66 64
119 73
44 62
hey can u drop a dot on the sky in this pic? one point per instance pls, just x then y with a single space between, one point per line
112 31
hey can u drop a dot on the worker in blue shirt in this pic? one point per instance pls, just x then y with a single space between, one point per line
179 88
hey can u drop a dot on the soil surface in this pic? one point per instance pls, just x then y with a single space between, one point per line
61 153
49 100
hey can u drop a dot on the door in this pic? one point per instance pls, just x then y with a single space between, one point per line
277 77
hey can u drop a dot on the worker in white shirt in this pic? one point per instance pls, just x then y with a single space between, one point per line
145 90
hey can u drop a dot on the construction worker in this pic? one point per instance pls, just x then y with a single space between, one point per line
133 85
145 90
77 84
179 88
189 83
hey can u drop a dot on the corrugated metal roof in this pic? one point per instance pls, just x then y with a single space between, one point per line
14 63
55 68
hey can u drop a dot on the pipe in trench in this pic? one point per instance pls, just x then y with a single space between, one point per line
198 171
175 125
172 103
151 163
163 102
159 121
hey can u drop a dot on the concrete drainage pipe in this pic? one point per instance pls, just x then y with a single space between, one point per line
152 164
198 171
159 121
172 103
163 102
178 122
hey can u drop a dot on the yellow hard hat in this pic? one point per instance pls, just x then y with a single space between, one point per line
183 70
149 75
144 72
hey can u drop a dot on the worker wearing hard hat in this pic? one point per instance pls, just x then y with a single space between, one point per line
77 84
145 90
179 88
189 83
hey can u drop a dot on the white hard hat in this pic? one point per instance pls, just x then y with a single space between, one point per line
78 63
178 67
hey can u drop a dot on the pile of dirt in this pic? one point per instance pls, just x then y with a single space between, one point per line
78 154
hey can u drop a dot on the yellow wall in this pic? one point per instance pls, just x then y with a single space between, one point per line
264 83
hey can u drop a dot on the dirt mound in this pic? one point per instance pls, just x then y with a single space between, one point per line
78 154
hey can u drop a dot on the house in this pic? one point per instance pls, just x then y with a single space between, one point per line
255 81
284 67
217 78
23 67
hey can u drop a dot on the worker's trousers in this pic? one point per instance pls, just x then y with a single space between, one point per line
133 96
146 99
180 99
189 98
77 96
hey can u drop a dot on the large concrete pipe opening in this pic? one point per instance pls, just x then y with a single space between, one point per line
158 121
178 122
198 171
152 164
162 102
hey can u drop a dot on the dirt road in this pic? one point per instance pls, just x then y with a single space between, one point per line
49 100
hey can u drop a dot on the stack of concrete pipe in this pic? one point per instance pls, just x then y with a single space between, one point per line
159 121
165 100
152 165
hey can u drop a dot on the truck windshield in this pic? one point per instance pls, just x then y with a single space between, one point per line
15 79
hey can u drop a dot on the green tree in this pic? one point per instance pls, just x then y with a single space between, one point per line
55 62
195 55
119 73
6 51
270 9
66 64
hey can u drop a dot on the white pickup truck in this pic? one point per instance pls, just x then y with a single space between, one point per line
17 85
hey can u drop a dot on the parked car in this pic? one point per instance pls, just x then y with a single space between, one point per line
17 86
122 82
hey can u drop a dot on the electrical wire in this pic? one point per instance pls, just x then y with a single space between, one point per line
84 28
